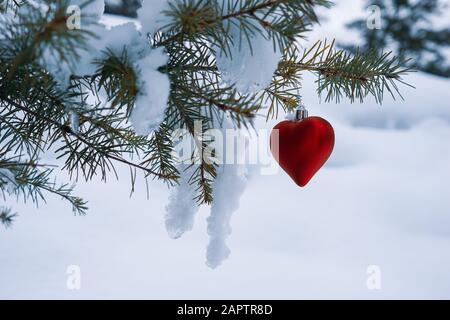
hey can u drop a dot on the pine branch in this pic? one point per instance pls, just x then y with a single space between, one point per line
340 74
93 136
28 179
355 76
212 20
159 154
186 114
111 152
7 217
39 30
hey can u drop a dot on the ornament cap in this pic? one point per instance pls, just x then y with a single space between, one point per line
301 112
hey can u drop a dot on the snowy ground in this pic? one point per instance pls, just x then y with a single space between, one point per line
381 200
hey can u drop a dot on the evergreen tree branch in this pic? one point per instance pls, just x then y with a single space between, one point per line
28 180
197 18
92 136
7 217
112 152
339 74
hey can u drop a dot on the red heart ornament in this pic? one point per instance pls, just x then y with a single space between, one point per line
302 147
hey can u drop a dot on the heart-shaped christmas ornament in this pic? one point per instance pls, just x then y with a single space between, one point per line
302 146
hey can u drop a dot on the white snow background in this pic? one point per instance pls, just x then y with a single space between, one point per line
382 199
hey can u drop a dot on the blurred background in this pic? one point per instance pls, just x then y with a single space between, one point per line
125 8
378 211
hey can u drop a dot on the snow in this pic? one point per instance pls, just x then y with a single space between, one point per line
249 61
151 101
74 121
93 11
7 177
149 15
51 59
381 199
182 207
154 87
228 189
242 66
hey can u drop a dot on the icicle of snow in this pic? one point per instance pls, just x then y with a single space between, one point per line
154 92
7 177
228 188
150 15
181 210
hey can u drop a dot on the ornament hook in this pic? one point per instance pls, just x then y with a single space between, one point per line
301 112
